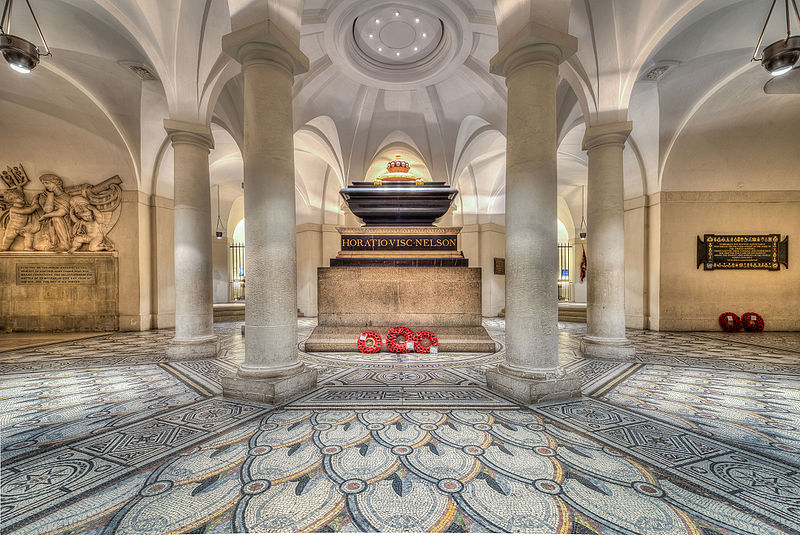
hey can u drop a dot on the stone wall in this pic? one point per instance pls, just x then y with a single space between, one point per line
685 298
415 297
42 291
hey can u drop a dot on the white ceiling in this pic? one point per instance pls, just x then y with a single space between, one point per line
438 105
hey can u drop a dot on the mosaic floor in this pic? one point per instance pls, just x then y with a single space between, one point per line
699 434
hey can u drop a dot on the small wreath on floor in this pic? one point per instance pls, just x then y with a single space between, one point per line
426 342
400 340
370 342
752 322
730 322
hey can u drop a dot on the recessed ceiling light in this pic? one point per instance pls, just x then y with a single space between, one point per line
398 53
396 13
377 21
424 35
370 36
380 49
416 20
415 49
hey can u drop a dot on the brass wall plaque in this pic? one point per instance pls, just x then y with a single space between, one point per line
763 251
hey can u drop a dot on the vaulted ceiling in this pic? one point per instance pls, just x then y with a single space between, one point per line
679 69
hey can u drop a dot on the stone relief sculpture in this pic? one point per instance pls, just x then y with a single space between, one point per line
59 218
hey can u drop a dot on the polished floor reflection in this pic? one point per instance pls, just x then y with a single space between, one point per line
699 434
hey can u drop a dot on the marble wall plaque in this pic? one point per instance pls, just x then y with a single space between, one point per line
56 274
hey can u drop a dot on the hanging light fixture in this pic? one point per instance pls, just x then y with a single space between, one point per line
582 229
781 56
21 54
220 230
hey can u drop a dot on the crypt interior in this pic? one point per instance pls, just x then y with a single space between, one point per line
578 212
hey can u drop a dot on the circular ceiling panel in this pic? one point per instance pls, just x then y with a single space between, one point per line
398 43
396 35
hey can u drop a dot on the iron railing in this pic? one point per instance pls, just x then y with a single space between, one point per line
564 271
237 272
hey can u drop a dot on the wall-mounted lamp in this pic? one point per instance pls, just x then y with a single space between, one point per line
220 230
21 54
781 56
582 229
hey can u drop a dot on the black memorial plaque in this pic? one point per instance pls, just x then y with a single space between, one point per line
399 243
765 251
499 266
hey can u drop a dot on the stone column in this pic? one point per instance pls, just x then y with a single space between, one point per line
272 371
532 372
194 309
605 252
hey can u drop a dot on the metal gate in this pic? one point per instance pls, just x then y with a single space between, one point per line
564 269
237 272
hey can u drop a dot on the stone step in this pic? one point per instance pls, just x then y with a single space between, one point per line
572 312
451 339
228 312
224 312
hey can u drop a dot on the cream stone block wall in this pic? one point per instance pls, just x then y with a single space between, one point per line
220 253
131 236
651 316
635 216
692 299
331 244
309 258
44 291
481 244
163 247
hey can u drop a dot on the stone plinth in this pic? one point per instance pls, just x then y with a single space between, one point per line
272 390
446 301
69 292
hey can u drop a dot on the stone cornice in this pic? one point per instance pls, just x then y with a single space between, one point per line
308 227
184 132
535 43
387 231
607 134
730 196
264 42
676 197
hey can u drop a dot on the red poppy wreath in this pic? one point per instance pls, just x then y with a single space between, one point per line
370 342
400 340
730 322
752 322
426 342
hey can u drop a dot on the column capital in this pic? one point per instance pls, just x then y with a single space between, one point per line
191 133
535 43
264 42
607 134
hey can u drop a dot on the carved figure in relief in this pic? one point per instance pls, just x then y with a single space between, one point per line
60 218
55 220
86 228
16 220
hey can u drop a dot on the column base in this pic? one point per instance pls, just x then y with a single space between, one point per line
271 390
529 391
206 347
607 348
